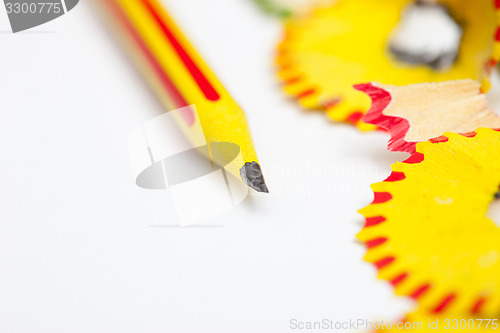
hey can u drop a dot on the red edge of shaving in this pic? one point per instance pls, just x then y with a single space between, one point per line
397 127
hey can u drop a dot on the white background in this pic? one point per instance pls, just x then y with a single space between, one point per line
82 249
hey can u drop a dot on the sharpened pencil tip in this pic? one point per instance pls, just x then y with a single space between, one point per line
251 174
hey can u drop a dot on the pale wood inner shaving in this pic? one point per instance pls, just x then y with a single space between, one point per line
435 108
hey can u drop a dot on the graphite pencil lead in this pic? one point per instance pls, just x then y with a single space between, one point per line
251 174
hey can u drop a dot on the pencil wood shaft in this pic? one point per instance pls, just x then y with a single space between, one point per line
180 78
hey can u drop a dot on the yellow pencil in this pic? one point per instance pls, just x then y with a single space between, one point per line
180 78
